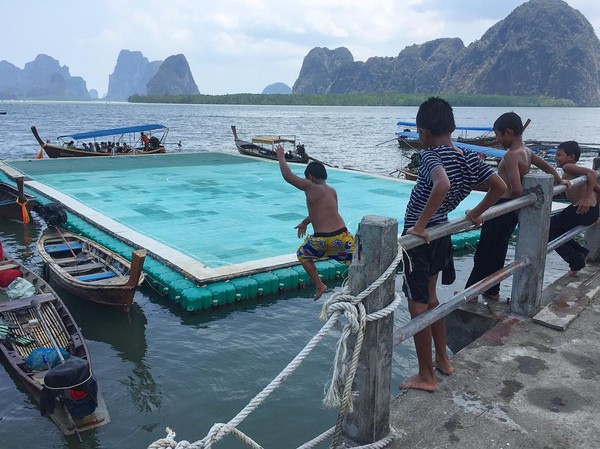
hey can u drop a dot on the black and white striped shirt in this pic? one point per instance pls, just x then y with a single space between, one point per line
464 172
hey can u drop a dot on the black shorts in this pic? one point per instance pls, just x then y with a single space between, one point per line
427 260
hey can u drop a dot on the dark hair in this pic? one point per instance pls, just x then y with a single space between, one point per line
571 148
435 115
315 169
509 120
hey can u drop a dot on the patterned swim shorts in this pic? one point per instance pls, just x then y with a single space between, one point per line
337 245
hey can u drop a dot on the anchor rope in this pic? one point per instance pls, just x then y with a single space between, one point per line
340 304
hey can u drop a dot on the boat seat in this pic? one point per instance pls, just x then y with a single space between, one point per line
83 268
81 257
8 266
95 276
62 247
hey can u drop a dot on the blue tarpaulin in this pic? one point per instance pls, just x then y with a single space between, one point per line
113 131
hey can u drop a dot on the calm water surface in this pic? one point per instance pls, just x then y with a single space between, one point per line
161 366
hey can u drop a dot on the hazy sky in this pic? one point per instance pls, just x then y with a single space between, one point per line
236 46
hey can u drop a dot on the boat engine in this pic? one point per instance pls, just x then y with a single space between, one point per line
74 383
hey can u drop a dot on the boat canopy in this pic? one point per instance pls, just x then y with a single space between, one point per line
486 151
114 131
274 139
461 128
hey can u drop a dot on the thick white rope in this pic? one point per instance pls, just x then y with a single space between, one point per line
339 303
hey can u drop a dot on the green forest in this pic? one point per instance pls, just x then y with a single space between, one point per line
355 99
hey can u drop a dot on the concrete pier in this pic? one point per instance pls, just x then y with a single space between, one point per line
520 385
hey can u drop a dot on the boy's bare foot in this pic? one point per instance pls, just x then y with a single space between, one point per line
416 383
573 273
320 290
444 367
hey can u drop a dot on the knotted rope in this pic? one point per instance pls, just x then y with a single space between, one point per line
339 393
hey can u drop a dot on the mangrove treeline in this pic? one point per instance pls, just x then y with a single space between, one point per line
355 99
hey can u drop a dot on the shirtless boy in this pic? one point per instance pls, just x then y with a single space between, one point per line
495 233
583 209
330 239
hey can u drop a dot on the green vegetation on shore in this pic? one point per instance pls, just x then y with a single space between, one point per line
355 99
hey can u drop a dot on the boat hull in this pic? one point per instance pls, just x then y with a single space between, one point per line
90 271
54 151
65 332
8 202
250 149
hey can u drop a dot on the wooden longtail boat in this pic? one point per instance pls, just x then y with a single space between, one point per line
264 146
410 139
67 392
14 202
89 270
133 140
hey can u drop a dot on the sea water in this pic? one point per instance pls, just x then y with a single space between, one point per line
161 366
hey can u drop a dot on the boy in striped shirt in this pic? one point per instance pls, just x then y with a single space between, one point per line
447 174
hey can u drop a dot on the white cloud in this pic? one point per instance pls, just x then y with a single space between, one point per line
238 45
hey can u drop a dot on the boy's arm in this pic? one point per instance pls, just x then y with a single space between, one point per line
546 167
290 177
583 205
441 186
497 187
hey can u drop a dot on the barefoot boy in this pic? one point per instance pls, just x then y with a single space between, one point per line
583 209
331 239
446 176
495 233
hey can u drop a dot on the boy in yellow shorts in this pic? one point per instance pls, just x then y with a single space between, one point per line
331 239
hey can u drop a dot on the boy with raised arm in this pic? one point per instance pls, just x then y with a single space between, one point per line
583 209
330 239
492 247
447 174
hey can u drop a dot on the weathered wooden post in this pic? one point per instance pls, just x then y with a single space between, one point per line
376 248
592 234
532 241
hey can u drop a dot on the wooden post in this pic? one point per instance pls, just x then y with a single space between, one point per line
532 241
376 247
592 234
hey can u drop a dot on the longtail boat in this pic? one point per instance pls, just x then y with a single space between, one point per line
88 270
133 140
264 147
63 387
14 202
409 139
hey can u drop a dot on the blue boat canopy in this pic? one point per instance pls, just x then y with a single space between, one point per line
486 151
114 131
461 128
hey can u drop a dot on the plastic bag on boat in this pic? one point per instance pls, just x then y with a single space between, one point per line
20 288
42 359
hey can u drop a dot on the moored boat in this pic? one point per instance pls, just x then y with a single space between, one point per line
409 139
264 146
133 140
89 270
14 202
34 327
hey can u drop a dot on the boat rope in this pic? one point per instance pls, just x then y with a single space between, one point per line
340 304
24 212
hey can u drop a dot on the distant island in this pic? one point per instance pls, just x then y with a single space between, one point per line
544 53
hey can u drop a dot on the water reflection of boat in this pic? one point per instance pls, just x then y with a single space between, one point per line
126 334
